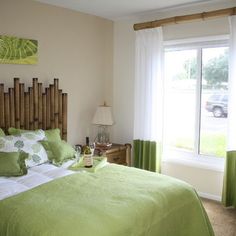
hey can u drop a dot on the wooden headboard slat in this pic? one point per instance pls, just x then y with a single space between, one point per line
56 98
40 106
12 107
64 118
44 111
60 109
22 106
48 104
2 121
6 111
52 118
17 102
36 104
31 108
26 116
34 108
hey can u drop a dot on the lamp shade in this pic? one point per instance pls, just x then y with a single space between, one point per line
103 116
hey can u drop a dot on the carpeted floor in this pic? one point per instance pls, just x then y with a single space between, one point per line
223 220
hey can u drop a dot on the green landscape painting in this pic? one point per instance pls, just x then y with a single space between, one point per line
15 50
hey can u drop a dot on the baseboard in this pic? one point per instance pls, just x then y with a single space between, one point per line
210 196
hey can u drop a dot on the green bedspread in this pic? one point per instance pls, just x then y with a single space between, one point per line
115 201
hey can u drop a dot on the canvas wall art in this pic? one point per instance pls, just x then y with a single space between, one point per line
14 50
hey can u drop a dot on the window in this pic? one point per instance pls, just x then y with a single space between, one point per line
196 100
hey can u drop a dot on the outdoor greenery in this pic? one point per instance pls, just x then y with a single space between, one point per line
215 71
190 69
211 144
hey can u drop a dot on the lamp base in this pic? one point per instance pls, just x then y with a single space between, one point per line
103 135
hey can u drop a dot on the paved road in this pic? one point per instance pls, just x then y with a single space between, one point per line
180 117
211 124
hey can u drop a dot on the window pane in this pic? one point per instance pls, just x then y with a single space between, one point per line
180 99
214 102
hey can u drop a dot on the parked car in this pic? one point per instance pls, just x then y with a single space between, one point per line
218 105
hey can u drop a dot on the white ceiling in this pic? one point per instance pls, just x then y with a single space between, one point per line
117 9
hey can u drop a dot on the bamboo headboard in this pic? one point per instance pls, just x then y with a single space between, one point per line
32 108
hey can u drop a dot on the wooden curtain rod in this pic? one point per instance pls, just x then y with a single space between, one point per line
185 18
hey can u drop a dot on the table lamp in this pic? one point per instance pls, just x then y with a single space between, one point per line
103 118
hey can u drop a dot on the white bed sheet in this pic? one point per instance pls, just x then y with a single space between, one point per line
36 176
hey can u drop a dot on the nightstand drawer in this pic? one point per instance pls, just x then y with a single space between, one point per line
118 157
117 153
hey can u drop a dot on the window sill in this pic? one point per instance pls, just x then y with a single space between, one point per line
187 159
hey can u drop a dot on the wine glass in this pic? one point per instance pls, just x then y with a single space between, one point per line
92 147
78 152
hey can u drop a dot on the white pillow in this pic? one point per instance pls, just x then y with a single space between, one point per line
36 135
27 142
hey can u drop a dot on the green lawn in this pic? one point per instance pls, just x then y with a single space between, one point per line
211 144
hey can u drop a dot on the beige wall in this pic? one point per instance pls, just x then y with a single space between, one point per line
76 48
206 181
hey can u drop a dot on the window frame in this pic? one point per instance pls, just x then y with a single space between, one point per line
175 155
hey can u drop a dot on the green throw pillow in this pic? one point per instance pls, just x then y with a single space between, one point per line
58 152
51 134
14 131
13 163
46 145
2 133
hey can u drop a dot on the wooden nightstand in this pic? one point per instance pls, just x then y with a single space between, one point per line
117 153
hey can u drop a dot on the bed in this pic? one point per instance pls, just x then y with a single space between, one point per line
114 201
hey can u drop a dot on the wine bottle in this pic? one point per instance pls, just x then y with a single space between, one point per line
88 159
87 141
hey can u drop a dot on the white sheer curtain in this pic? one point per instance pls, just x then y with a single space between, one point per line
229 189
148 110
149 85
232 86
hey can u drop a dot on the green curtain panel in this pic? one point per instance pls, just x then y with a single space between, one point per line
229 189
147 155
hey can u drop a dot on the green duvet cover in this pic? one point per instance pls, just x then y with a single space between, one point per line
115 201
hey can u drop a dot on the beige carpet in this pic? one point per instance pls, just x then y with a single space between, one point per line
222 219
